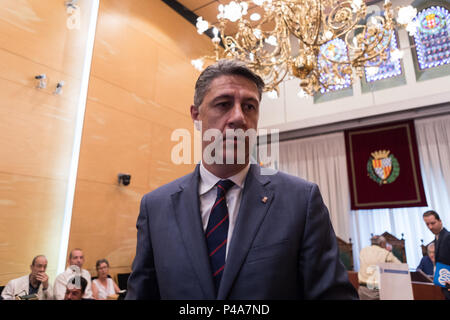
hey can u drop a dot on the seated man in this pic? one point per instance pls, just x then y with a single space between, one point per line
75 288
369 258
34 283
427 262
75 262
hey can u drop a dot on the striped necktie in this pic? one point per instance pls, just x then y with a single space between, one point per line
217 231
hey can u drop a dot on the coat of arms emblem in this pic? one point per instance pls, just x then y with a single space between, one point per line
383 167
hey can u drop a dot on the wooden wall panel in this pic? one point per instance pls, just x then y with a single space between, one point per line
170 81
41 201
162 169
110 233
129 102
114 142
141 89
36 128
36 132
22 71
125 57
29 29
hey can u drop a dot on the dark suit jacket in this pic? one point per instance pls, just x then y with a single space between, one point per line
284 248
442 247
442 253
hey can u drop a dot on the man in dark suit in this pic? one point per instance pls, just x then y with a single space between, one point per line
442 241
228 230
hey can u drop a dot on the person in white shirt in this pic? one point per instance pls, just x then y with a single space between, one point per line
369 257
37 282
103 287
75 261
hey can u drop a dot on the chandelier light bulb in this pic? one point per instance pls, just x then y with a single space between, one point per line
371 71
244 6
258 2
202 25
406 15
302 94
272 41
257 33
396 55
273 94
412 27
255 16
233 11
356 5
198 64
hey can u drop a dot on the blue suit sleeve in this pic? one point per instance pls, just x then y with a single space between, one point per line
322 273
142 283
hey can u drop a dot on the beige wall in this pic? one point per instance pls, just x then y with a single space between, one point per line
36 128
140 90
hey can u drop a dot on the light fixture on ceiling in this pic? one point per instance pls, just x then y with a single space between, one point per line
306 39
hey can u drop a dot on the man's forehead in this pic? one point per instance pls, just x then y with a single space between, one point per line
232 82
40 261
77 253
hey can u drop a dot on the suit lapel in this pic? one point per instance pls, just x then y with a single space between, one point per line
187 213
252 211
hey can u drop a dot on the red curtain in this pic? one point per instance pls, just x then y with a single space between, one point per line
383 167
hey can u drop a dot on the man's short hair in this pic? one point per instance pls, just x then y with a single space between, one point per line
377 240
79 282
224 67
71 251
431 213
38 256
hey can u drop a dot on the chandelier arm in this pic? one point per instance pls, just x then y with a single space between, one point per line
359 15
290 25
276 83
385 47
319 19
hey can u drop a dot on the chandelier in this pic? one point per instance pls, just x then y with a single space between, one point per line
323 43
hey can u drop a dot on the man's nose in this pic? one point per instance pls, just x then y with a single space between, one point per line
237 116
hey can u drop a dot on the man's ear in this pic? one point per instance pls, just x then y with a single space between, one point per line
195 116
194 112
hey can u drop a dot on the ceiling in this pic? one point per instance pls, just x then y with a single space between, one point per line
204 8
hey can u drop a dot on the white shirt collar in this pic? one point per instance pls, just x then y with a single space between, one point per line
208 180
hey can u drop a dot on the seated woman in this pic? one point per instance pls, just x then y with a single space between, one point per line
428 261
103 287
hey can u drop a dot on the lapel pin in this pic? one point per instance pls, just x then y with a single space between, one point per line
264 200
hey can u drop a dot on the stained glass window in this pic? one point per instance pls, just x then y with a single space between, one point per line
432 37
375 70
334 50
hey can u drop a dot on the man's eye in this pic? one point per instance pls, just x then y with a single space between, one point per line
223 104
250 107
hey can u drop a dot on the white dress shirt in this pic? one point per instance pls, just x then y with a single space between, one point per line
208 193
